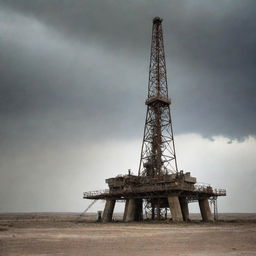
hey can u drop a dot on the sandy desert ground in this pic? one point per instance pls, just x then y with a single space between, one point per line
62 234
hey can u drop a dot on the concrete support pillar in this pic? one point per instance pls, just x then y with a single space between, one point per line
175 208
138 210
108 210
125 209
99 219
205 209
131 210
158 210
153 211
184 208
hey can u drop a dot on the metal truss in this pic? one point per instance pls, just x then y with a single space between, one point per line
214 204
153 211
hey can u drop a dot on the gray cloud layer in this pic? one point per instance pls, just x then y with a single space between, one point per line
74 73
77 70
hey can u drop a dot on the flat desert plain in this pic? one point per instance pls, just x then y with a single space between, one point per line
63 234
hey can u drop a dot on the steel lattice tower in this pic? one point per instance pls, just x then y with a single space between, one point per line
159 186
158 150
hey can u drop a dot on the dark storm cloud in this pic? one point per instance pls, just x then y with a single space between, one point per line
73 73
210 47
52 90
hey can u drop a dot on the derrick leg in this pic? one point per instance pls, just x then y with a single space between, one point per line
108 210
205 209
175 208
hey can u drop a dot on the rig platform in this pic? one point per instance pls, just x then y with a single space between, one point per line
159 185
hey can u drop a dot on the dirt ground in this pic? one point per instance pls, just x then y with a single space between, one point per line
62 234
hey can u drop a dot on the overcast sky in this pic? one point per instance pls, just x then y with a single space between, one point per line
73 81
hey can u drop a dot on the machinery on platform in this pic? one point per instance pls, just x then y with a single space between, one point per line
159 185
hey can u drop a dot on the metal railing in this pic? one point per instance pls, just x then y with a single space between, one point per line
95 193
207 188
221 192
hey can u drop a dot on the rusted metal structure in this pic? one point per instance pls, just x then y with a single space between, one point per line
158 149
159 185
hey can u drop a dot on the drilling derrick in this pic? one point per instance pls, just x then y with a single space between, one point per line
158 151
159 185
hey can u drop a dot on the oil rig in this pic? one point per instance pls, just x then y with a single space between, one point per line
159 185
